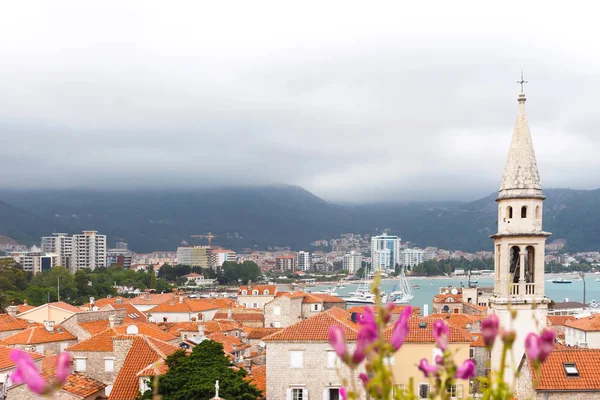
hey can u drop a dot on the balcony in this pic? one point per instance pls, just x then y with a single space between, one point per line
517 289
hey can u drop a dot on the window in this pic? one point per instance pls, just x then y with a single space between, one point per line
109 364
334 394
537 212
524 212
298 394
254 305
235 333
423 390
296 359
276 324
80 364
265 292
277 310
471 352
455 391
332 359
244 292
316 307
509 212
255 292
571 370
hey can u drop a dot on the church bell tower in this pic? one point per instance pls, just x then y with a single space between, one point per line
519 245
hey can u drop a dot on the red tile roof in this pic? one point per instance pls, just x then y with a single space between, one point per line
228 342
100 303
421 331
259 333
8 323
154 298
558 320
327 298
271 289
258 378
24 307
588 324
554 377
143 352
447 298
132 313
188 305
242 315
57 304
457 320
6 362
316 328
37 334
156 368
103 341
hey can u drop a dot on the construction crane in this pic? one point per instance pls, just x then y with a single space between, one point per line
209 236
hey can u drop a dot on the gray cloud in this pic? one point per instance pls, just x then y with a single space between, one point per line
355 104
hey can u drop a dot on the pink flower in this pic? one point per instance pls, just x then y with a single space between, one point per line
546 344
427 369
441 332
401 329
364 378
489 329
466 370
368 323
26 372
343 394
63 366
387 312
439 359
532 346
364 339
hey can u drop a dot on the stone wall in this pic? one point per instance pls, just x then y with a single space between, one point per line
289 312
72 323
95 365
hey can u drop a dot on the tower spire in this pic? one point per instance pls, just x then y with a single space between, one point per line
521 178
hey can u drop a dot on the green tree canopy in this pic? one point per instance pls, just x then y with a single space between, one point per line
193 377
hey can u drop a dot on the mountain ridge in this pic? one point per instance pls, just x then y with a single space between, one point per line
278 215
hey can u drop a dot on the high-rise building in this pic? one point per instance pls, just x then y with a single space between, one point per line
34 260
303 261
89 250
412 257
519 246
352 262
195 256
285 263
385 252
118 256
60 244
222 255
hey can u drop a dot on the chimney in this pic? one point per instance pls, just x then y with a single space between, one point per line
147 294
49 325
12 311
114 320
201 330
119 301
244 337
180 297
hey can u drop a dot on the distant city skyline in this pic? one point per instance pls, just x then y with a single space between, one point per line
354 103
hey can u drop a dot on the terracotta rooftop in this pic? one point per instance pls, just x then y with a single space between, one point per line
24 307
81 385
188 305
327 298
558 320
271 290
131 313
103 341
37 334
175 328
258 378
152 298
6 362
57 304
447 298
156 368
143 352
316 328
8 323
242 315
228 342
554 377
106 301
588 324
259 333
457 320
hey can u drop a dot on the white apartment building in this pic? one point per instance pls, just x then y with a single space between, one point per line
119 256
89 250
385 252
60 244
221 255
303 261
412 257
35 260
352 262
584 331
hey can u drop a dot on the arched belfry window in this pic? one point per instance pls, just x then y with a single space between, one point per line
509 212
515 262
524 212
530 264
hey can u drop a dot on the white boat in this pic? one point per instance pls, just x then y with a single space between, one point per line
363 294
404 294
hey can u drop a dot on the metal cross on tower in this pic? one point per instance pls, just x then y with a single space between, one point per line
522 81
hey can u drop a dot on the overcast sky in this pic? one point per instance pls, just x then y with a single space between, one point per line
354 102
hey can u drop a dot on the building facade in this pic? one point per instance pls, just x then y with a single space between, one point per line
118 256
60 244
412 257
303 261
195 256
36 261
385 252
221 255
519 245
285 263
89 250
352 262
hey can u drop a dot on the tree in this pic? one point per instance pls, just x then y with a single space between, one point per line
194 376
